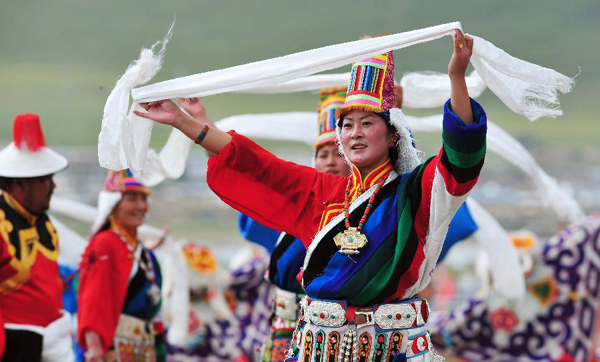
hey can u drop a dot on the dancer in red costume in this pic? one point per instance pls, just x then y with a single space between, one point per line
119 287
32 324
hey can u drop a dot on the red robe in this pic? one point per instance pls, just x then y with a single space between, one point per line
30 284
294 198
105 268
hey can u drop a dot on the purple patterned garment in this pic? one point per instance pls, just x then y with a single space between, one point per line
557 320
239 339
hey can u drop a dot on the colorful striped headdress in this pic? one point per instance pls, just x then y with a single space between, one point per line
122 181
371 86
372 89
116 183
330 100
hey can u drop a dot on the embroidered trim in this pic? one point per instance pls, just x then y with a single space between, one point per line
395 347
418 345
333 346
308 346
379 347
364 347
319 345
14 204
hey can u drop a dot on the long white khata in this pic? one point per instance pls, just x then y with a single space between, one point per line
527 89
420 90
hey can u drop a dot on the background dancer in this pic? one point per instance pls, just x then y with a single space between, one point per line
119 286
32 323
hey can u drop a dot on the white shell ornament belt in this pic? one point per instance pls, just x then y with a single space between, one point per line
401 315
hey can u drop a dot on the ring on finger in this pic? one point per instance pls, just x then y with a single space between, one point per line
461 45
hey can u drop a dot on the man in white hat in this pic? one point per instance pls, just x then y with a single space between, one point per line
33 326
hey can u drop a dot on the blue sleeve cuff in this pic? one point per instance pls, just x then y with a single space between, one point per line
457 126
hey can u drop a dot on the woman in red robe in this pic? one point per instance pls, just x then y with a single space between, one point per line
119 287
372 239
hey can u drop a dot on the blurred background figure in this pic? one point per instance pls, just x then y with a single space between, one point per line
33 326
227 308
119 287
556 319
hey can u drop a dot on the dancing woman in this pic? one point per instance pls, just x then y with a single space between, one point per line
373 238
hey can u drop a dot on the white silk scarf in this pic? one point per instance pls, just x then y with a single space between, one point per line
526 88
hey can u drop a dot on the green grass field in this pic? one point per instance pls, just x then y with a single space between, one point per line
60 59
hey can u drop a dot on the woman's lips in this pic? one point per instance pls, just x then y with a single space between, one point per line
358 147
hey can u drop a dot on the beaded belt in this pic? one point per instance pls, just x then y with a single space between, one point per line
400 315
286 304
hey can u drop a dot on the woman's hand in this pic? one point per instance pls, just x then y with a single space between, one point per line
165 112
194 107
460 102
94 355
94 352
463 49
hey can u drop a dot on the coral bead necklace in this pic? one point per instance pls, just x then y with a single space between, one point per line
351 240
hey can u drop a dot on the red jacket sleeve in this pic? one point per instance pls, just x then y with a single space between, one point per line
278 194
2 334
3 261
105 268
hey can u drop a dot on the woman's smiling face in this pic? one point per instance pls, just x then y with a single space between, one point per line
132 209
366 140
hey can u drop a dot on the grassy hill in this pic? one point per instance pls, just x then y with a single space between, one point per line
61 58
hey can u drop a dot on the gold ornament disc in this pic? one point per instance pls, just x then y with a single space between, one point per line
350 241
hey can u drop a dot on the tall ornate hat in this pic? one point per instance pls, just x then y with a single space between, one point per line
122 181
371 86
116 183
371 89
28 156
330 100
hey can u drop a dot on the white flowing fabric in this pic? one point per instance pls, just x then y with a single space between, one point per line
309 83
292 126
420 90
526 88
500 142
508 279
432 89
551 195
169 163
72 244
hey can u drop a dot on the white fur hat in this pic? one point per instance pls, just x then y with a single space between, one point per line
27 156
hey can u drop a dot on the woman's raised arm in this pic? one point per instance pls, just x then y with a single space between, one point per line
167 112
459 94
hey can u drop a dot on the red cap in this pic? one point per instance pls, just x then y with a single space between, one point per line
27 129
